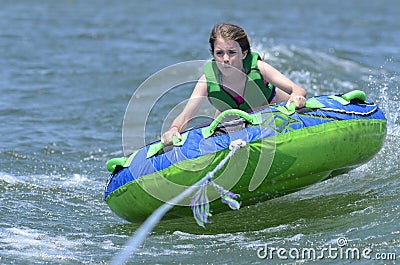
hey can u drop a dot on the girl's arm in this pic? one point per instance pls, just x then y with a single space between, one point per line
283 84
192 106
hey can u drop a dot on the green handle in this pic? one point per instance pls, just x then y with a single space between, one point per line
346 98
355 94
289 110
176 141
252 118
155 148
113 163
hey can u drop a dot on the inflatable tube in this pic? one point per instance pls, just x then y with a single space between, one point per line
286 150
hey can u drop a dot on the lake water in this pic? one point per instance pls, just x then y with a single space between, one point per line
68 70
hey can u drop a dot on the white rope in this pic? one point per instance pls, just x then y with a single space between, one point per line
141 233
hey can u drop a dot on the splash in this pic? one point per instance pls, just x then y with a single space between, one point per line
385 87
318 72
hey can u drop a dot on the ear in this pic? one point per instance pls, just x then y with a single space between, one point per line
245 54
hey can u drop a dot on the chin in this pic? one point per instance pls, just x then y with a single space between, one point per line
230 70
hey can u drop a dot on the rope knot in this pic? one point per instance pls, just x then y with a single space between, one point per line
200 203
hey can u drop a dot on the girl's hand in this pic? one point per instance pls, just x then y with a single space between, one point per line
166 138
299 100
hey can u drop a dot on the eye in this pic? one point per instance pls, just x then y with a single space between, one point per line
231 52
219 53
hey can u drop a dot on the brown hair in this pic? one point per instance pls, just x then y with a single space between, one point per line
229 32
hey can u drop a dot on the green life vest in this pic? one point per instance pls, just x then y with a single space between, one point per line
256 92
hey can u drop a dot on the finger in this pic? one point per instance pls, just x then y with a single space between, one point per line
165 138
178 135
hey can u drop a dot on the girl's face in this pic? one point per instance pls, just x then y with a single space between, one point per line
228 54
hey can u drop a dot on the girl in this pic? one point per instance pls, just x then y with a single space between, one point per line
235 78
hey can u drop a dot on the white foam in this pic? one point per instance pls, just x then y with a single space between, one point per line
26 238
8 178
74 180
28 243
295 238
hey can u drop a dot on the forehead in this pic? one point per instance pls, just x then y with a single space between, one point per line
223 44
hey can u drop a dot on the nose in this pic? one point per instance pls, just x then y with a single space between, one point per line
226 58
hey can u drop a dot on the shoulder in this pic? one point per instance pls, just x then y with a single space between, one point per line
202 81
265 67
201 86
202 78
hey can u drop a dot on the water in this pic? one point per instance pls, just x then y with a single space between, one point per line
68 70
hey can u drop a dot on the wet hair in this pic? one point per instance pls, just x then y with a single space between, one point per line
229 32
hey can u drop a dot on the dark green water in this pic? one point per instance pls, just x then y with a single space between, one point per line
68 70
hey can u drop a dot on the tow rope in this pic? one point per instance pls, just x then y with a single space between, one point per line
199 205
